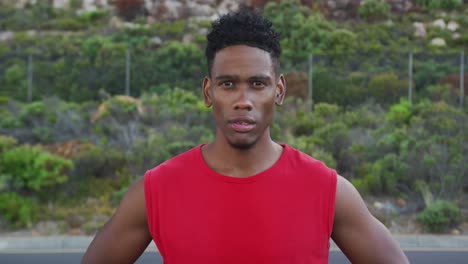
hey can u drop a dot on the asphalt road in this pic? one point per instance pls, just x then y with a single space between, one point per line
336 257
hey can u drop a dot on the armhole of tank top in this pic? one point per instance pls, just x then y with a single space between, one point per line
148 201
332 199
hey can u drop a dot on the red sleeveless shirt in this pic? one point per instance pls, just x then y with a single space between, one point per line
281 215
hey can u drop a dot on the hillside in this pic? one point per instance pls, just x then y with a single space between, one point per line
92 95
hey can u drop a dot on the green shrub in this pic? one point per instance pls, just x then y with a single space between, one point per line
18 211
67 23
374 9
7 143
387 87
438 4
31 168
386 175
4 99
440 216
399 114
118 195
98 163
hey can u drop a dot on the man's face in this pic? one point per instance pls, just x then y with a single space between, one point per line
243 91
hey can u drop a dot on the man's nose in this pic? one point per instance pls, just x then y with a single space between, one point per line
243 100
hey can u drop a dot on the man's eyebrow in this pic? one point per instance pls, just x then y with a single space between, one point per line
224 77
260 77
236 77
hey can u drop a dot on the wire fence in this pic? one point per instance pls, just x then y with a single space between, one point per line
346 79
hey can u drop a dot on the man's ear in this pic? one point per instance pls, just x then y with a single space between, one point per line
280 90
207 91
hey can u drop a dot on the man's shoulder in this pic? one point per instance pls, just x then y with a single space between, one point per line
298 158
181 161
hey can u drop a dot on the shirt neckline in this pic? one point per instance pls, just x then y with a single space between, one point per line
265 173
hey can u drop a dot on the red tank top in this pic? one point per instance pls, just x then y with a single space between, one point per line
281 215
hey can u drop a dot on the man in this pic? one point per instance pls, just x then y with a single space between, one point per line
243 198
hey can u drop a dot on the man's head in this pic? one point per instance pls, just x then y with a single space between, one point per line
244 84
244 27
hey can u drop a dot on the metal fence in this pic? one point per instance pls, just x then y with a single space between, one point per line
318 78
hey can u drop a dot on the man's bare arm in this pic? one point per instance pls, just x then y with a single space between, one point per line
125 236
361 237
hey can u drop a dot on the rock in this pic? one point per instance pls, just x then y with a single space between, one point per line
453 26
378 205
439 42
130 25
455 232
401 202
331 4
31 33
187 39
456 35
206 2
340 14
75 221
6 36
167 10
439 23
47 228
75 232
341 3
116 22
23 3
63 4
88 5
155 41
228 5
420 30
341 9
198 10
442 14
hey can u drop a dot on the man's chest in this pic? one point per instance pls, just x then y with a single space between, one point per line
268 223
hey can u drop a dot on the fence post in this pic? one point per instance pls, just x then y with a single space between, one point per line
127 73
30 77
310 102
410 81
462 77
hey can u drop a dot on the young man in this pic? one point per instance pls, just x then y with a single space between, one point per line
243 198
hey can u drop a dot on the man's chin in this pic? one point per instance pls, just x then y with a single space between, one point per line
242 145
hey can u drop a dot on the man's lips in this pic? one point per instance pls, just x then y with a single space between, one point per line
242 124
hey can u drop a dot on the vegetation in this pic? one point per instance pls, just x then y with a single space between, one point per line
440 216
79 144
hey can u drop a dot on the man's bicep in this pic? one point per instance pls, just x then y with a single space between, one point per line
125 236
361 237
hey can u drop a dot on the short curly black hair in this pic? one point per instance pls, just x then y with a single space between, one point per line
243 27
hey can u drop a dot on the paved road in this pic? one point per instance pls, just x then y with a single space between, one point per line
336 257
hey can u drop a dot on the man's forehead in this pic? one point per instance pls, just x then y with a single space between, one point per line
242 60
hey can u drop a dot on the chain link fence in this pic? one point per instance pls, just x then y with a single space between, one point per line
346 79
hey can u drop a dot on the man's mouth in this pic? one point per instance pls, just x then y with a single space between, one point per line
242 125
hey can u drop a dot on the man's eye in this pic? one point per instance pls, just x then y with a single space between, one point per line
258 84
227 84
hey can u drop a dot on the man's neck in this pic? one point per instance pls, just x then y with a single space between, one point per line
228 160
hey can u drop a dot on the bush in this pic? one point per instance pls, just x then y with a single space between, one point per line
440 216
18 211
98 163
387 88
437 4
31 168
7 143
399 114
386 175
374 9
